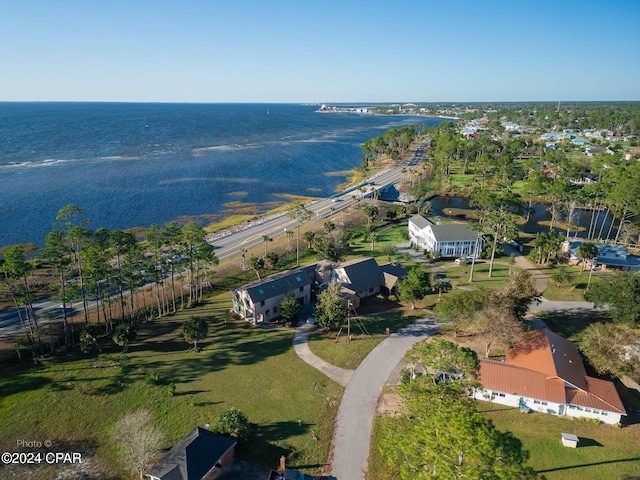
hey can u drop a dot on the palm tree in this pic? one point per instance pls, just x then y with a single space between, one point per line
266 239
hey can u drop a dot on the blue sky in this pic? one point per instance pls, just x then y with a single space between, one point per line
319 51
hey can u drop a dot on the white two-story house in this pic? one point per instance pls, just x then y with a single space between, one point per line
450 240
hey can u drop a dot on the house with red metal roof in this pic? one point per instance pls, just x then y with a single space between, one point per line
544 373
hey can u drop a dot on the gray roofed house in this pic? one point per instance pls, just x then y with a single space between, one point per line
200 455
449 240
610 255
259 301
362 277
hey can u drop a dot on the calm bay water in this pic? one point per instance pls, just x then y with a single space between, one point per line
136 164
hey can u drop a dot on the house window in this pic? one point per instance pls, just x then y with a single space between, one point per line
301 289
275 310
604 414
500 394
267 313
262 303
536 402
261 291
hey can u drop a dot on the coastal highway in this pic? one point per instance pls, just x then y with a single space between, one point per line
248 236
252 234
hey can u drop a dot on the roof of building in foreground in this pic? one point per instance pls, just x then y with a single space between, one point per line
546 366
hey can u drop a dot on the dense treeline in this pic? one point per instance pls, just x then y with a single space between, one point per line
619 117
393 143
106 268
561 176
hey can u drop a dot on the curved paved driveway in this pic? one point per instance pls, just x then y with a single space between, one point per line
355 417
337 374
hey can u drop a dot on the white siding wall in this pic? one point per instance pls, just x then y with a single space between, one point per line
546 407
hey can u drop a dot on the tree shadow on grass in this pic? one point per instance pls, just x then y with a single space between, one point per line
23 383
569 467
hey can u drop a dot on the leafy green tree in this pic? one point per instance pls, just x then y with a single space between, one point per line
172 241
308 237
620 292
458 307
121 242
499 210
371 212
89 338
561 276
331 311
442 435
604 346
441 285
496 323
99 273
521 292
330 247
233 423
273 258
289 309
587 251
414 287
155 238
194 330
197 250
256 264
439 355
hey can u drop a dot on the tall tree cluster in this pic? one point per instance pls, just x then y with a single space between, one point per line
108 267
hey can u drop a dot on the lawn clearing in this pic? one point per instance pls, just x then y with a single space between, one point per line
458 275
574 290
368 330
604 452
74 401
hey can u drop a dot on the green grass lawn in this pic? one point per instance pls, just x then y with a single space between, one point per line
368 330
74 400
605 452
574 290
458 275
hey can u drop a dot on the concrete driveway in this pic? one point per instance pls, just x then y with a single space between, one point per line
352 433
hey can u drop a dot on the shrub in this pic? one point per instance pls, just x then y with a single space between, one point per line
154 378
171 389
233 423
